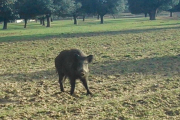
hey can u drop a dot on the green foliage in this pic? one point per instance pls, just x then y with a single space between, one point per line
77 7
28 9
7 10
150 6
118 7
103 7
46 6
66 7
170 6
175 7
137 6
109 6
89 6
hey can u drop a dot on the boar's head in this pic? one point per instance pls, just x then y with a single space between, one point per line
81 64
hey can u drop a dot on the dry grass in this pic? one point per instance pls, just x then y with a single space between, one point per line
135 73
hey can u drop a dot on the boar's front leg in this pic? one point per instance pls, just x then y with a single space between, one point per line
72 82
61 81
84 82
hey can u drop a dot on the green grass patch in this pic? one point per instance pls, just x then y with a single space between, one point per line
134 74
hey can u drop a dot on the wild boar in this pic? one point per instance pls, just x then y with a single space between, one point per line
74 65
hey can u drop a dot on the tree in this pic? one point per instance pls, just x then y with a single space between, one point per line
63 7
68 8
171 7
82 8
149 6
176 8
119 8
87 7
27 9
7 11
47 8
77 10
103 7
136 7
41 19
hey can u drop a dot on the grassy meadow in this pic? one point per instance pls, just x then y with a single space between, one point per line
135 74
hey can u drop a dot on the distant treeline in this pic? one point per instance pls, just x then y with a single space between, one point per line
45 9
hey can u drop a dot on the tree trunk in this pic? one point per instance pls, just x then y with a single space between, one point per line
171 13
5 24
98 17
43 21
102 20
83 17
51 20
75 19
152 14
48 21
145 14
25 20
113 16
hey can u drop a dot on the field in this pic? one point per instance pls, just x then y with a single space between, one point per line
135 74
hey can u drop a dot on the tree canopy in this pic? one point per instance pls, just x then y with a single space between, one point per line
64 7
150 6
28 9
7 11
68 8
103 7
172 7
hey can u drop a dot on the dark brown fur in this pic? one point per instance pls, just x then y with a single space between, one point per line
74 65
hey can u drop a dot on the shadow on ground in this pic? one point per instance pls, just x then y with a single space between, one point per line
166 65
90 34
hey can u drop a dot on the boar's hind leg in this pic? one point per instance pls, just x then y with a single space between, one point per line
61 81
84 82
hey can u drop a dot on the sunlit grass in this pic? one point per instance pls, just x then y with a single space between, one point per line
66 28
134 75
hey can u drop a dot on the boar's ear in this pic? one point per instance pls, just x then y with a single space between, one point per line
89 58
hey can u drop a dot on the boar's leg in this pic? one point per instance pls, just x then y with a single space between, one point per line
84 82
61 81
73 82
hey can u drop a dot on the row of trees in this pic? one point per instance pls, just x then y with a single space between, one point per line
151 7
30 9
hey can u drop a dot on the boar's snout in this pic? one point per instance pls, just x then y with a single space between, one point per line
83 72
82 65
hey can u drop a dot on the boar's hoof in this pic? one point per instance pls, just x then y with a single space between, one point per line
89 93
